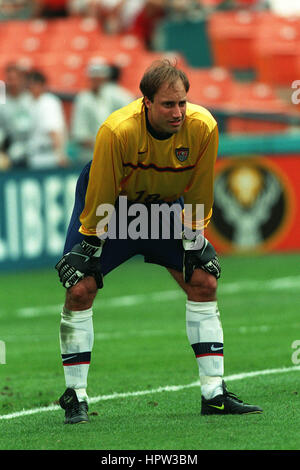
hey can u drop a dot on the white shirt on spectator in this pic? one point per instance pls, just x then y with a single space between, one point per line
285 7
90 111
47 116
15 123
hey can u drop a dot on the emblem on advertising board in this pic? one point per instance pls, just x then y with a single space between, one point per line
250 204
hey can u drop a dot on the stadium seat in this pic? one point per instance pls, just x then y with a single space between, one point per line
18 28
276 52
257 95
64 81
74 34
72 42
67 45
73 25
65 72
256 98
210 87
250 40
25 61
231 35
23 36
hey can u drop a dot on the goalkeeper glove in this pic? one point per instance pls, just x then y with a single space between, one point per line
199 253
81 261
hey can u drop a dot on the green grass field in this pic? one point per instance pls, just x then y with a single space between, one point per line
141 349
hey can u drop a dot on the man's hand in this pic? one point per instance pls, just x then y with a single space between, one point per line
81 261
199 253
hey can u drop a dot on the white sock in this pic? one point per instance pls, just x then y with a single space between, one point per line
205 334
81 394
76 343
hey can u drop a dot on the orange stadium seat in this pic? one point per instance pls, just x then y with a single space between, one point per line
33 44
256 98
76 43
19 28
210 87
74 25
66 46
65 72
26 61
38 35
231 35
23 36
65 81
261 41
276 51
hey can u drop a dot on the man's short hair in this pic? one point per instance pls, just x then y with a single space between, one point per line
159 72
13 67
37 76
98 69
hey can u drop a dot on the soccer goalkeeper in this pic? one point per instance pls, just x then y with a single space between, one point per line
160 149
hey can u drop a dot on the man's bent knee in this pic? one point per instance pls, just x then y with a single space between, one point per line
202 287
82 295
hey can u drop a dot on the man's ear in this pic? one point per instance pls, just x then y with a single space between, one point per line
147 102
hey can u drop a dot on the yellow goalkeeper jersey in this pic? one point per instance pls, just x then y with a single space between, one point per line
129 161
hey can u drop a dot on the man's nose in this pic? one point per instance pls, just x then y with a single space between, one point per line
177 111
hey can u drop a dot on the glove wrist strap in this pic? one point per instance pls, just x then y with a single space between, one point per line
195 242
91 250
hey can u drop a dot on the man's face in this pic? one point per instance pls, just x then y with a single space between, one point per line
167 111
14 81
36 88
96 83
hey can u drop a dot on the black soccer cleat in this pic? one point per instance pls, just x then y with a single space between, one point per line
75 411
227 403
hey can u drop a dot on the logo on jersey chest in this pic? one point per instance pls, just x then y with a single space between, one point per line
182 153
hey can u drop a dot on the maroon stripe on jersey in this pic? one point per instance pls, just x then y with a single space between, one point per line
157 168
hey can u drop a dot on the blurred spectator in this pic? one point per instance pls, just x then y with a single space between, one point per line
143 25
183 6
251 4
51 8
109 13
16 9
92 106
285 7
115 16
15 117
81 7
240 4
47 141
4 161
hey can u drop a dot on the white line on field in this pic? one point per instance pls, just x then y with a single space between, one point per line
167 388
284 283
108 336
121 301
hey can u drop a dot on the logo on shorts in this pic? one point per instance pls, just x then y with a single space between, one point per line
182 154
